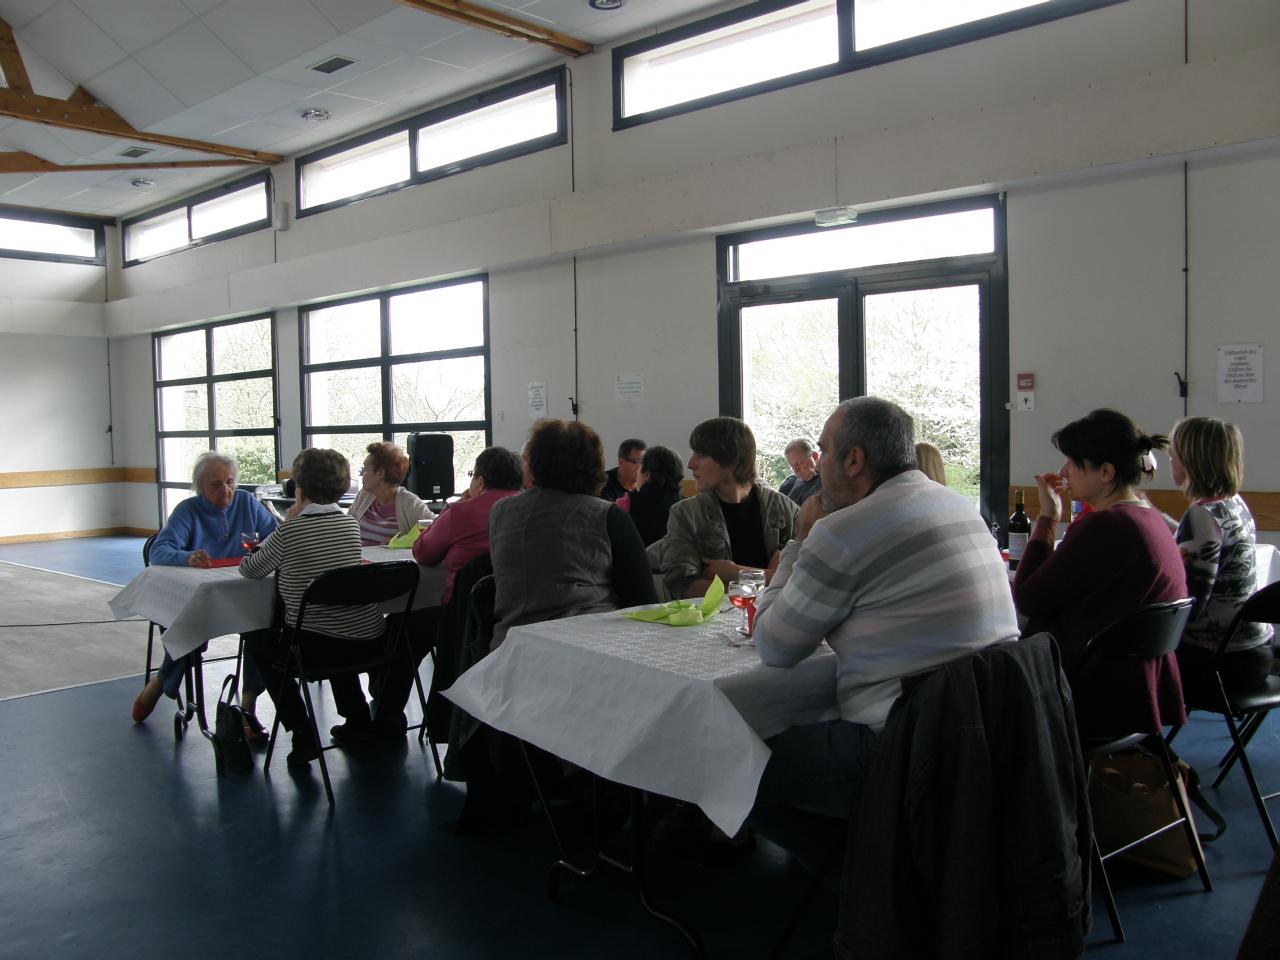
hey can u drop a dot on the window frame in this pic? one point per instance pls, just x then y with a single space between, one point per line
556 76
213 193
849 59
96 224
208 381
385 361
988 270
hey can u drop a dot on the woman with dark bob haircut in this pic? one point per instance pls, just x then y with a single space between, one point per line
658 491
316 537
461 533
558 550
1112 561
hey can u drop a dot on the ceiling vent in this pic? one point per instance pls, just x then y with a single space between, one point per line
331 65
133 153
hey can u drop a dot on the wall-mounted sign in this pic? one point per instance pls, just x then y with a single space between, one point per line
629 386
1240 373
537 401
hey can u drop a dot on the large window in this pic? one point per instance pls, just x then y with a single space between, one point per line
38 235
508 121
776 43
225 211
408 361
907 305
215 390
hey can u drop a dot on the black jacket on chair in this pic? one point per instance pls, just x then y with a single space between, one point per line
971 837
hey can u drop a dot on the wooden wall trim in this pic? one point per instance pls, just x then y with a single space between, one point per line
1263 504
78 477
76 534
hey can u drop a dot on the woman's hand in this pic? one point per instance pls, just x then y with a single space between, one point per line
1050 487
199 558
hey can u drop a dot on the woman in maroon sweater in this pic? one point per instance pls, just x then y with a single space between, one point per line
1111 562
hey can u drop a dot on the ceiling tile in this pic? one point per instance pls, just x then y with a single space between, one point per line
345 16
43 190
343 108
408 75
200 7
72 182
134 94
472 48
265 35
407 30
72 42
193 64
367 56
567 15
518 64
195 124
135 24
89 200
12 181
255 135
84 144
257 96
39 140
45 77
18 13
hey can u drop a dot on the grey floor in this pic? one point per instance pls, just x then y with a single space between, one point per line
118 841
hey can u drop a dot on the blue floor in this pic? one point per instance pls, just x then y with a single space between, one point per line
117 841
112 559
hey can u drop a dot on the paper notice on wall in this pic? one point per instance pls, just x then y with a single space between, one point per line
629 386
1240 373
537 401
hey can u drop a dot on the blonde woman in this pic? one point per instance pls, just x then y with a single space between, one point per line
1216 539
929 462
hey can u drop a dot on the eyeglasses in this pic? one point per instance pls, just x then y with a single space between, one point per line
471 473
636 460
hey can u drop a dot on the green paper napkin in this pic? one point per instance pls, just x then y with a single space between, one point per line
683 613
403 541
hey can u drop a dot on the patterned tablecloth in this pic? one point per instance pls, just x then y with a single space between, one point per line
671 710
198 605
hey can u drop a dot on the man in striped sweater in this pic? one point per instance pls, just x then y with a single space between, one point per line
897 573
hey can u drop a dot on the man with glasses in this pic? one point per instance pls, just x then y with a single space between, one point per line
622 478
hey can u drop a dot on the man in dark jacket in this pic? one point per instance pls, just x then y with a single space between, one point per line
622 478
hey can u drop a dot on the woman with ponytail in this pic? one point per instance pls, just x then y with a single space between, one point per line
1112 561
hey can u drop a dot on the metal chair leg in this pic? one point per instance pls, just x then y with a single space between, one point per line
1108 897
315 732
1258 800
1188 825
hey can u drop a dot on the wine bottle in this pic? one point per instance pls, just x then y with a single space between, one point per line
1019 530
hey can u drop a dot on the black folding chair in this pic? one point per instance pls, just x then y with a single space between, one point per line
354 586
194 678
1146 634
1246 709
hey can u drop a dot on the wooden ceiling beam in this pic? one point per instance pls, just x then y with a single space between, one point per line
11 65
92 118
19 161
476 16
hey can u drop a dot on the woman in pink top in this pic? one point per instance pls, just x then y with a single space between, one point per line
461 533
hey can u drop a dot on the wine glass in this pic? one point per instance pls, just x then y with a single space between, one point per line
752 581
740 595
250 540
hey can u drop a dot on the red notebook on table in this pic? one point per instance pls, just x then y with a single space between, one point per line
226 562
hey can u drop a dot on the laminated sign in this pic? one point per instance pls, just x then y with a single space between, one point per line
1240 373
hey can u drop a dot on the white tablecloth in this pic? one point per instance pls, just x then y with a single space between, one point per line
665 709
198 605
1268 566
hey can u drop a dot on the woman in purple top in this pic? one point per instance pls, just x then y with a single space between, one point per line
202 529
1111 562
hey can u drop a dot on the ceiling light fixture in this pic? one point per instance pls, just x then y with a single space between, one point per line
835 217
605 4
315 114
143 183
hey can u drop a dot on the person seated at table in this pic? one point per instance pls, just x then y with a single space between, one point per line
929 462
558 549
896 573
202 529
316 537
1216 538
659 490
622 479
805 480
1112 561
461 533
383 507
733 523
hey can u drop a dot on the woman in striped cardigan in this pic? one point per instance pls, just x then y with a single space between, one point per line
316 537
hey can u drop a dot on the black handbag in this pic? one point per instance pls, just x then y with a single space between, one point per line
230 748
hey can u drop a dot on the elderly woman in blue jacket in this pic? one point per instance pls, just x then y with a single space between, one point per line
202 529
